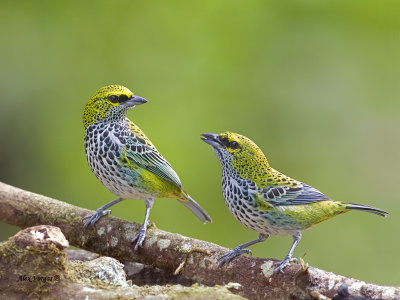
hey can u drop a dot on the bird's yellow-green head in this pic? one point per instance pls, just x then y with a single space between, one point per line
239 154
110 104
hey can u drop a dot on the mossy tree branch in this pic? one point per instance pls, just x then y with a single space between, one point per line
194 259
34 264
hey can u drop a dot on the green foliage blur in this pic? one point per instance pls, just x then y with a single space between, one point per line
314 83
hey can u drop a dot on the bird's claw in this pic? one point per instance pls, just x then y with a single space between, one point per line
284 263
93 218
226 258
139 237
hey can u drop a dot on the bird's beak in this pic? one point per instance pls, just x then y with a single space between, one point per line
212 139
135 100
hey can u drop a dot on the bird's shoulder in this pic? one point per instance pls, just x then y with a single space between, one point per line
137 149
138 136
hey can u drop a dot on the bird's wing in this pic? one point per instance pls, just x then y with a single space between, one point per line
139 150
283 195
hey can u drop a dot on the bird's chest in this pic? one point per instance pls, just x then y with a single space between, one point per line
239 198
103 147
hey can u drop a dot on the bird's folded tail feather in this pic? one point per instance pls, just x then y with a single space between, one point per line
367 208
194 207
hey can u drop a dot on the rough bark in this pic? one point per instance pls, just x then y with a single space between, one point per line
194 260
34 265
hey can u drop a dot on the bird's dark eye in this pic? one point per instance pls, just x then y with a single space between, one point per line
113 98
234 145
123 98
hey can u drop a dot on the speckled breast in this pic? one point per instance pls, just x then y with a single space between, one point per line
103 144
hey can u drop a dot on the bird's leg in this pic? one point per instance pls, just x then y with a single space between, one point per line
288 259
240 250
139 237
93 218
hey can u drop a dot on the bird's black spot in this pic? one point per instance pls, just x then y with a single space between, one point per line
295 189
140 140
276 192
133 138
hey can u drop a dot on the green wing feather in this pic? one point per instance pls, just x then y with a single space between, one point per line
140 151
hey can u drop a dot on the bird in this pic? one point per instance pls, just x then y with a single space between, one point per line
125 161
267 201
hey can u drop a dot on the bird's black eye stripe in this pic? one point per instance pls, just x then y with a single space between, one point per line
228 144
225 142
113 98
234 145
123 98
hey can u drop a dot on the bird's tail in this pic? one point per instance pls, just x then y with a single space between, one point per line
367 208
195 208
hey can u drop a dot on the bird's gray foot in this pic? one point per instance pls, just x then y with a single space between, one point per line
93 218
139 237
226 258
284 263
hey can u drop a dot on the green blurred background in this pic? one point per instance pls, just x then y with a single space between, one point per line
314 83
